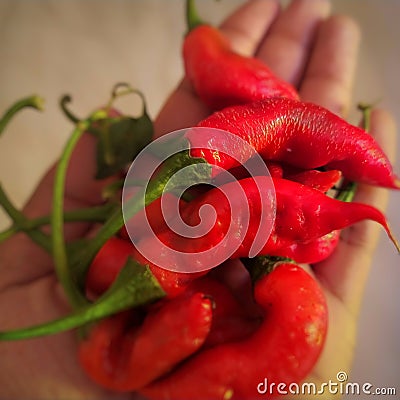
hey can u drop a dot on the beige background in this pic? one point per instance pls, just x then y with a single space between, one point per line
54 47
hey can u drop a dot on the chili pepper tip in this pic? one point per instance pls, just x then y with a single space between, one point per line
391 236
394 240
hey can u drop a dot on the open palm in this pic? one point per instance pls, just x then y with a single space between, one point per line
302 44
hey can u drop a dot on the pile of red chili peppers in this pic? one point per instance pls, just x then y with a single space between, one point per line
194 336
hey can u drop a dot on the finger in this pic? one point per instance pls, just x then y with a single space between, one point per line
245 28
182 109
346 271
286 48
328 79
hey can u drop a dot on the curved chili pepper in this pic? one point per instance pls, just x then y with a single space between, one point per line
303 217
283 349
107 264
304 213
239 221
124 358
220 76
301 134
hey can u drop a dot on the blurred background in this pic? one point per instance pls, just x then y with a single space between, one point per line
54 47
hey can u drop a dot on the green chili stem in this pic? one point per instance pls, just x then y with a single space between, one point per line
35 102
63 104
90 214
366 110
9 208
192 18
20 221
134 286
127 89
57 220
263 265
7 233
111 227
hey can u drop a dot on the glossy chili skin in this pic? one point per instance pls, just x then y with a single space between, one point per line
221 77
122 356
298 133
304 217
309 252
283 349
305 229
320 180
304 213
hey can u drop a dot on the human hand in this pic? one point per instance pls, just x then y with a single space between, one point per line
318 55
47 367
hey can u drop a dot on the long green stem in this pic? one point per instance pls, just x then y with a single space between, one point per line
35 102
67 112
192 17
20 221
57 220
134 286
82 260
90 214
7 233
366 110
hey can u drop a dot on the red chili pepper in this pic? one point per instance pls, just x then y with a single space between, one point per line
222 77
284 349
304 216
155 215
301 134
107 264
233 212
124 358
